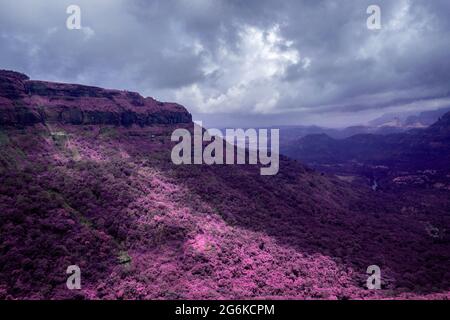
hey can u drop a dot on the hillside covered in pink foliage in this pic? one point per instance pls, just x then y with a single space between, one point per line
86 179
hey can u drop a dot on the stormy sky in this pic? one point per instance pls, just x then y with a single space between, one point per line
242 63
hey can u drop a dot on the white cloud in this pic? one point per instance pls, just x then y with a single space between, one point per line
88 32
248 74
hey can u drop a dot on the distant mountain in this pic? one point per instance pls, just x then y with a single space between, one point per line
391 156
388 119
86 179
415 148
426 118
409 120
386 124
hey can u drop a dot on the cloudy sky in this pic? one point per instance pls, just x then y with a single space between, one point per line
242 63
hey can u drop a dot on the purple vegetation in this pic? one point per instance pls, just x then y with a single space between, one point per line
105 196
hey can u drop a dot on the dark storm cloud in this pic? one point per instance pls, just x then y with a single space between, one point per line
293 59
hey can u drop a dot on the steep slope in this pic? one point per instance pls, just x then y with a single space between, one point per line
106 197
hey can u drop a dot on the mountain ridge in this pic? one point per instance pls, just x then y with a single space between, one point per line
26 102
417 145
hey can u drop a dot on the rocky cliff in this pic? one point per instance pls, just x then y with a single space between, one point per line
25 102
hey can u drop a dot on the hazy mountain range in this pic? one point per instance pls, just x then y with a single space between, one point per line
385 124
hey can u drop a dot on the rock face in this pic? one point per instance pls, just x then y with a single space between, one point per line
25 102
